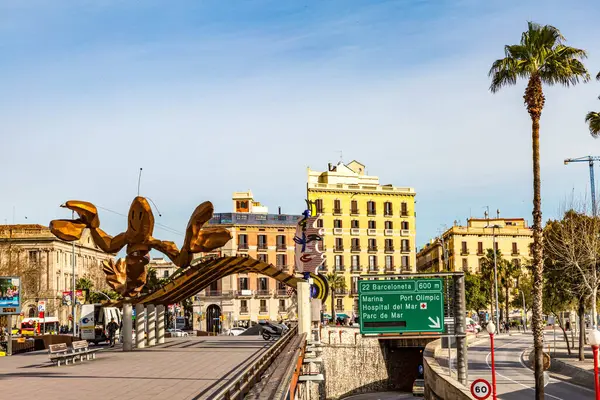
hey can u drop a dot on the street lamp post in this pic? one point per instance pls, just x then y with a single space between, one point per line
491 328
595 341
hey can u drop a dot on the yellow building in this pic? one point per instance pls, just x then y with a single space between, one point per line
467 245
369 228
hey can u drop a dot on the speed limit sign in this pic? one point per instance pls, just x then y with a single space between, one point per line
481 389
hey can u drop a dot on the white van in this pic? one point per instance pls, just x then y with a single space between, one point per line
93 322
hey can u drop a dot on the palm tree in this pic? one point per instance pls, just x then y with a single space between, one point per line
593 119
542 58
336 282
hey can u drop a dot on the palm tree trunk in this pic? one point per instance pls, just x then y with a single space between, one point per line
581 315
333 305
534 99
506 304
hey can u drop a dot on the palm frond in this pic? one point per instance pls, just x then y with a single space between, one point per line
598 76
593 120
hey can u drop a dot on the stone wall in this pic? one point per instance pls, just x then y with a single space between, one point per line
353 364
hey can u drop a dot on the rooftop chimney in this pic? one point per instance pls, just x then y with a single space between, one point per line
329 167
279 210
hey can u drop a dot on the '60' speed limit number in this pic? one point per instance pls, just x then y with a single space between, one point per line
481 389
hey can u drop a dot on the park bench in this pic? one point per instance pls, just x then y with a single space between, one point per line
81 348
60 352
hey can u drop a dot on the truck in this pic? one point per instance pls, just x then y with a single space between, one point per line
93 322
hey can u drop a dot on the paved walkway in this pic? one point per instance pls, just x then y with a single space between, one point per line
181 368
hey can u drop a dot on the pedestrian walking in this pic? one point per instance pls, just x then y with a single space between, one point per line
112 330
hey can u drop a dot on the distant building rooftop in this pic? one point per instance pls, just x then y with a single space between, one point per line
254 219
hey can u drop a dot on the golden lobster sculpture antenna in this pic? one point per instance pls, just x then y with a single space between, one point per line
128 276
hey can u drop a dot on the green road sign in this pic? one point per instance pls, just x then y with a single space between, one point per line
396 306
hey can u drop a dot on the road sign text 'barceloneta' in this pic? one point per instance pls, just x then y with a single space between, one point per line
398 306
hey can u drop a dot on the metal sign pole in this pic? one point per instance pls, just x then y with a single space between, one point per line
9 343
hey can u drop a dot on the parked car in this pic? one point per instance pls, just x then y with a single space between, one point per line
418 388
235 331
177 333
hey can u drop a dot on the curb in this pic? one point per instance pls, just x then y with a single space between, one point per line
562 371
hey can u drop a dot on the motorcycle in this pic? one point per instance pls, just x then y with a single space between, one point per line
270 330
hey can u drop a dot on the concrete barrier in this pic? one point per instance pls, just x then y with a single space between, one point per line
438 385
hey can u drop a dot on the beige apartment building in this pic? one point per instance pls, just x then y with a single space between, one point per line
246 298
369 228
467 245
45 265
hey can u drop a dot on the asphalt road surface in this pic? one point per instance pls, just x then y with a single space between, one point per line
514 381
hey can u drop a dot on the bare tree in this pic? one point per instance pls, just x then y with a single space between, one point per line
573 244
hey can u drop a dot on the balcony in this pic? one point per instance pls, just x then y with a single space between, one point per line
371 212
464 252
373 269
354 292
320 210
263 310
355 231
338 249
372 232
405 249
282 293
404 232
282 310
244 293
263 293
282 267
339 268
338 231
388 232
355 249
404 213
262 247
341 292
356 268
388 213
389 268
406 268
515 252
281 247
389 249
339 309
337 211
354 211
243 310
372 249
242 246
213 293
480 252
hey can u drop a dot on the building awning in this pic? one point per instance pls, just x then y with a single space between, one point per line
263 317
244 318
199 276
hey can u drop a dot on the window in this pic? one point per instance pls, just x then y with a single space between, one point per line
339 306
354 261
465 264
263 306
241 217
354 284
463 248
354 207
372 244
404 209
214 286
337 223
355 244
319 205
372 224
389 262
404 262
57 257
319 223
244 306
263 284
354 224
339 244
281 305
389 245
337 207
58 281
243 283
371 208
243 242
480 265
166 274
281 260
405 245
281 242
387 208
515 249
338 262
516 262
262 242
479 248
263 257
389 225
405 225
372 263
496 247
33 257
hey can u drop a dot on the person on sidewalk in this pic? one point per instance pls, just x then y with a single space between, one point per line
112 330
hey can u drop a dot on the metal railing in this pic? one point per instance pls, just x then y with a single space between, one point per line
247 378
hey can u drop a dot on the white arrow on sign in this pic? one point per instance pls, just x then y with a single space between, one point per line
435 324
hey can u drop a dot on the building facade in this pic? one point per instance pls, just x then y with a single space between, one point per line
466 246
244 299
369 228
45 265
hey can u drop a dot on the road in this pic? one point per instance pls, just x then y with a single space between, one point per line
514 380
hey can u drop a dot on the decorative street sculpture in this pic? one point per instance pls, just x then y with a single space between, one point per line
128 276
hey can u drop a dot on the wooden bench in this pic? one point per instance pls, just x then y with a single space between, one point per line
60 352
81 348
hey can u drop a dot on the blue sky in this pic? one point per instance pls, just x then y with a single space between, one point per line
211 97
